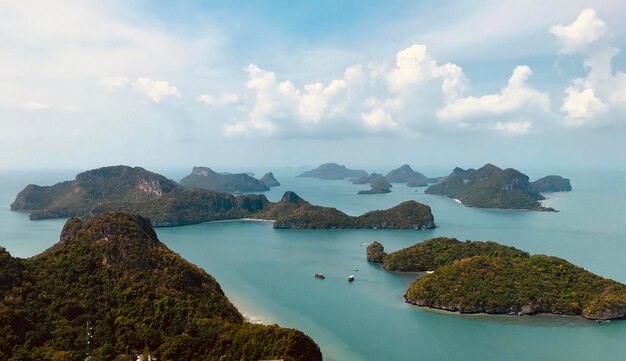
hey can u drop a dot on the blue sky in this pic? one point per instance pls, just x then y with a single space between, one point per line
231 84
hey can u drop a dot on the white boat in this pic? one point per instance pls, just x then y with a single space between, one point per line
350 278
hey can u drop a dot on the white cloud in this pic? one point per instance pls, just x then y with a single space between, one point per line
156 89
517 97
576 37
281 107
221 100
111 83
591 100
414 65
379 120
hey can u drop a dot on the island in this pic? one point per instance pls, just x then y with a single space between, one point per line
109 289
406 174
486 277
296 213
551 183
269 180
379 186
166 203
490 187
206 178
333 171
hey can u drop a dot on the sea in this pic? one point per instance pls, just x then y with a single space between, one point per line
268 273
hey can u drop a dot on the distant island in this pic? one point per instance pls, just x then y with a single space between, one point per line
333 171
166 203
551 183
296 213
206 178
486 277
406 174
379 186
110 290
492 187
269 180
377 182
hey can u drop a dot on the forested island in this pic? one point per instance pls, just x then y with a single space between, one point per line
206 178
406 174
333 171
486 277
493 187
110 290
167 203
294 212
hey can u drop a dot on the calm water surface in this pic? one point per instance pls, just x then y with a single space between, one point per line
268 273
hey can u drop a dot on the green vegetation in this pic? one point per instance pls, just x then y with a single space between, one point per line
376 252
205 178
472 277
490 187
166 203
112 275
294 212
526 285
333 171
437 252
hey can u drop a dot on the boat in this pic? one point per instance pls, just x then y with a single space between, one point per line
356 270
319 275
350 278
429 272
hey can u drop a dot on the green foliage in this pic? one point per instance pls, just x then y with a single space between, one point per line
489 187
508 283
376 252
437 252
112 274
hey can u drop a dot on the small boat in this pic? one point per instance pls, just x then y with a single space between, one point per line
350 278
356 270
429 272
319 275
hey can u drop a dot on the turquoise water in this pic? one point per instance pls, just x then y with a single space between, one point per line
268 273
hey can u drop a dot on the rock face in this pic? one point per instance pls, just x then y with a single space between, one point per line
333 171
490 187
376 252
551 183
405 174
112 273
206 178
486 277
269 180
166 203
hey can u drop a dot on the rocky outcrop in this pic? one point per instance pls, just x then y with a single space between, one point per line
269 180
376 252
333 171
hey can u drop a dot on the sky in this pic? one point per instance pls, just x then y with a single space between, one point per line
232 84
